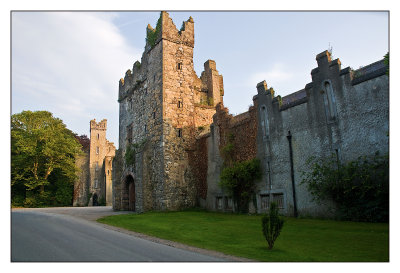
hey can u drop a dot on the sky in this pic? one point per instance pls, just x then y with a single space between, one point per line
69 63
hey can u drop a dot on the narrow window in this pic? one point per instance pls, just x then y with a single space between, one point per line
264 122
329 99
264 201
98 136
97 150
108 172
278 199
154 115
179 132
180 104
129 133
228 203
97 166
179 66
145 128
130 104
96 183
219 203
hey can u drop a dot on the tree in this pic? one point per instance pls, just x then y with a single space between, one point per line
386 61
358 188
40 144
239 181
272 225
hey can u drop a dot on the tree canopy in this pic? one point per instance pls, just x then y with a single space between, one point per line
43 154
239 180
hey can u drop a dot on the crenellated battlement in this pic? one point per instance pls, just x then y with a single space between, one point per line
166 29
102 125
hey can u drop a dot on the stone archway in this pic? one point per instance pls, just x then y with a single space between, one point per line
130 188
95 200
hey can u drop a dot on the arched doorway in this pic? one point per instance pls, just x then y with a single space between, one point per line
130 184
95 201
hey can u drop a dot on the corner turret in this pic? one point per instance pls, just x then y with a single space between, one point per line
166 29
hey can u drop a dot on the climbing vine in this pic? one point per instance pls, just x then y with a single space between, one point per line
239 178
131 149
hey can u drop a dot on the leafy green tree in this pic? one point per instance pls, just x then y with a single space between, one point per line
40 144
272 225
239 180
359 188
386 61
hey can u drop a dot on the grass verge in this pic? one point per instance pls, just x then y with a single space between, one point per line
306 240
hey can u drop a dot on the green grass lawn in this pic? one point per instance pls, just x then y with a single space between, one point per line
240 235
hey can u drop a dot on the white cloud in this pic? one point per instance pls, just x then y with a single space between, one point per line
276 75
69 63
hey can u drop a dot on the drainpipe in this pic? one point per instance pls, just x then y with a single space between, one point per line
289 137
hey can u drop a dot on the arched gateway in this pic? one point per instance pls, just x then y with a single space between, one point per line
129 202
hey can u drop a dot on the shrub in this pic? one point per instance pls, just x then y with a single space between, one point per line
239 180
272 225
130 155
359 188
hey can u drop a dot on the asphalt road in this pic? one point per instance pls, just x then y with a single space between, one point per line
47 237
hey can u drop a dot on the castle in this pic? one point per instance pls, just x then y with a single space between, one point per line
173 125
94 185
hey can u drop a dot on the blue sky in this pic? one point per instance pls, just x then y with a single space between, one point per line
70 63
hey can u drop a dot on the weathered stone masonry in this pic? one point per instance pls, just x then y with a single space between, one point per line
177 125
342 112
95 176
163 106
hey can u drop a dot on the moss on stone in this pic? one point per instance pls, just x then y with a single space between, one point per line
152 34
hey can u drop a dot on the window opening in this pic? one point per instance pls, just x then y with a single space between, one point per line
264 201
228 203
129 134
278 199
219 203
264 122
330 101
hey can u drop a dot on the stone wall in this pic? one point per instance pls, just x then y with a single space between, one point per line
95 174
241 131
176 124
102 153
163 105
337 113
81 185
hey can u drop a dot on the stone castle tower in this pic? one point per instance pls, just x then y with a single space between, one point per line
101 155
164 105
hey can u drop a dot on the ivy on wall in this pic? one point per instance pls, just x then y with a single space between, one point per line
152 34
239 177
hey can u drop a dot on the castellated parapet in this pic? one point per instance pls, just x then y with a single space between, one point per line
173 126
343 112
163 106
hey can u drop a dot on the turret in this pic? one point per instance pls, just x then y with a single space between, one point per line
213 81
166 29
